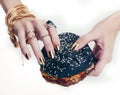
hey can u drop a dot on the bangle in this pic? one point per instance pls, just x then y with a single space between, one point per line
15 14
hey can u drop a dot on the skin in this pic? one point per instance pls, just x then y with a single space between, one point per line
103 34
22 26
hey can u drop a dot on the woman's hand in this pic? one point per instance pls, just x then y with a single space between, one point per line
27 27
30 29
103 34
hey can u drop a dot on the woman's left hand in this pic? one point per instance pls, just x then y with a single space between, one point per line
103 34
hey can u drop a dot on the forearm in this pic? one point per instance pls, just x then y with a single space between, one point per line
115 19
8 4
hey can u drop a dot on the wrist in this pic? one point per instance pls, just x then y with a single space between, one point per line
14 14
9 4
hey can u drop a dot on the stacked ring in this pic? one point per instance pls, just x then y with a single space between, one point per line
30 35
44 36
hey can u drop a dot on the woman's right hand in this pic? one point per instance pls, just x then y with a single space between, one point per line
33 29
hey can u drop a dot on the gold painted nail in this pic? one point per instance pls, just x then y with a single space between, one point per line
75 45
51 54
42 61
57 47
91 67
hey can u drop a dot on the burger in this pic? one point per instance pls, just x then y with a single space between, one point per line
68 66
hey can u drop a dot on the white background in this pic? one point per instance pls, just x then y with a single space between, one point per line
78 16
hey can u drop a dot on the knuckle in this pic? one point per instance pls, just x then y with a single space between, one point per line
26 22
81 39
36 21
26 19
44 21
44 30
17 25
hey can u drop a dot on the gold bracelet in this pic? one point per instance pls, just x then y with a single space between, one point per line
15 14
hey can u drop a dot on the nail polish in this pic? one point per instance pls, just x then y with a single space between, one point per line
74 46
27 57
42 61
51 54
57 47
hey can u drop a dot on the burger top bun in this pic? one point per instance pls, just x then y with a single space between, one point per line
68 62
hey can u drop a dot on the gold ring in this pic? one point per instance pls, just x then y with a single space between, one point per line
30 36
44 36
30 31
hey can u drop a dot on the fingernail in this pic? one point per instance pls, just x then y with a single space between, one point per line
57 47
51 54
42 61
27 56
91 67
74 46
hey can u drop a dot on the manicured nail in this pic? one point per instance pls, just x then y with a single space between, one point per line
42 61
27 56
57 47
74 46
91 67
51 54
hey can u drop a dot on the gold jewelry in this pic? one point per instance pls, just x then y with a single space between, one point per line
30 36
44 36
15 14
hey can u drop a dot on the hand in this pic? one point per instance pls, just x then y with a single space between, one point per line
103 34
27 27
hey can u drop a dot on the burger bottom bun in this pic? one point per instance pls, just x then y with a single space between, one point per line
69 80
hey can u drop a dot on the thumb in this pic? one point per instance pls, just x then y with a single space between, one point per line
106 56
82 41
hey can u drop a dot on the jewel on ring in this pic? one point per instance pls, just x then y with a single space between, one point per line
49 23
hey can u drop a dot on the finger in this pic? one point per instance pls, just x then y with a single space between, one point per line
98 68
45 37
54 36
22 40
97 51
33 42
104 58
82 41
36 49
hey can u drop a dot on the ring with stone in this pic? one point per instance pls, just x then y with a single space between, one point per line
50 24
